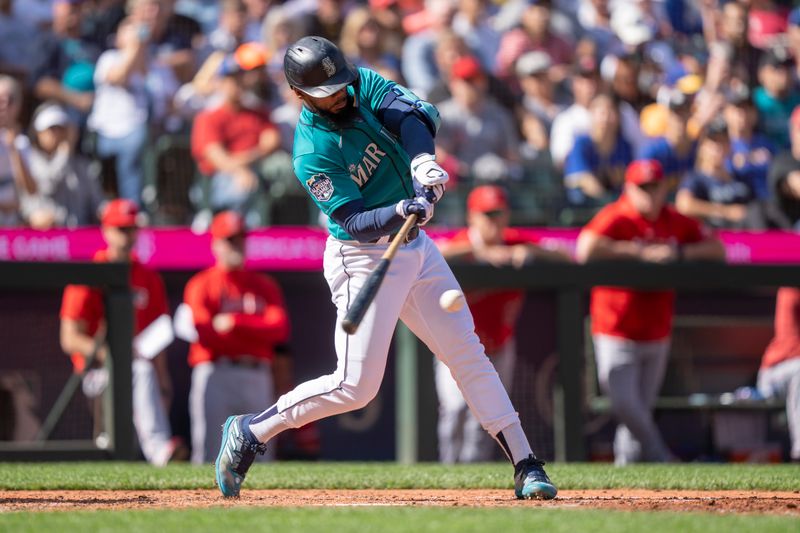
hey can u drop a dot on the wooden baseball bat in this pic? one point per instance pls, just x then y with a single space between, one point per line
360 305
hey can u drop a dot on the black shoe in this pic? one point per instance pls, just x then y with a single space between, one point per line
531 481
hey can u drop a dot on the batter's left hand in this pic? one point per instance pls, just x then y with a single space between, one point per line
432 194
419 206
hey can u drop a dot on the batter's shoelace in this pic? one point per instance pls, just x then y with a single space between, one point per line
246 454
531 469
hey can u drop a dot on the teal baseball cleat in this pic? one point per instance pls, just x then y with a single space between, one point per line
531 481
236 454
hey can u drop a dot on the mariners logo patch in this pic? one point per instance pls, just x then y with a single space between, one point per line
320 186
328 66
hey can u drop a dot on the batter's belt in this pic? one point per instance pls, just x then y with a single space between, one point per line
413 233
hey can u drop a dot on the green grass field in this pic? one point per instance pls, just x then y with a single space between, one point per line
111 476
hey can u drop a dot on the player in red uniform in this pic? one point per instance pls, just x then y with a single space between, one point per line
236 324
83 330
487 239
779 375
631 328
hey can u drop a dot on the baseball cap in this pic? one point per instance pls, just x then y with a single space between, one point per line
739 96
532 63
717 128
764 25
678 100
52 115
689 84
120 213
250 56
466 68
630 26
226 225
776 56
487 198
644 171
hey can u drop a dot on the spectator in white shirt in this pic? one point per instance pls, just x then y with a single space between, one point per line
132 90
68 191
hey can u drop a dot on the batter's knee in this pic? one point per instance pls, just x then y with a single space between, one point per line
358 395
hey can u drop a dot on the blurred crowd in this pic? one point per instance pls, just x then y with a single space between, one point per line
181 105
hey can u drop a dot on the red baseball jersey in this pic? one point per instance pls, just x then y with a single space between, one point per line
254 300
236 130
84 303
495 312
786 342
635 314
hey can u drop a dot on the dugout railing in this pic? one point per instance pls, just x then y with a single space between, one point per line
571 283
112 278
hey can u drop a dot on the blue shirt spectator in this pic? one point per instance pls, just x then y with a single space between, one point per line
586 157
713 193
675 164
719 190
594 170
750 159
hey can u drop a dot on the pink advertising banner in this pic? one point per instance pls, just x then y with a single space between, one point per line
301 248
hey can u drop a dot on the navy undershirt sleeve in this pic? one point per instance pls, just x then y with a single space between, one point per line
367 225
416 137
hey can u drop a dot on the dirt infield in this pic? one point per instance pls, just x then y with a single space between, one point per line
784 503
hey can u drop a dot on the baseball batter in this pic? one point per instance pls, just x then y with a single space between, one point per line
488 240
363 149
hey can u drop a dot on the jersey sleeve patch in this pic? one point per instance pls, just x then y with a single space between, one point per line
320 186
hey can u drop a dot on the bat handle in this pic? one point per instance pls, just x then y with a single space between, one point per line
400 237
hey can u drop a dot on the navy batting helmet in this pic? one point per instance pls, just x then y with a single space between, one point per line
317 67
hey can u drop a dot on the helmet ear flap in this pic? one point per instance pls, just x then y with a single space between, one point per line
356 83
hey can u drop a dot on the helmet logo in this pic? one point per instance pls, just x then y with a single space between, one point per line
328 66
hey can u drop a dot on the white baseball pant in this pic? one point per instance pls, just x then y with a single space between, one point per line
417 277
461 437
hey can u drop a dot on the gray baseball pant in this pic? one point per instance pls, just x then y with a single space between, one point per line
461 437
218 389
783 381
631 373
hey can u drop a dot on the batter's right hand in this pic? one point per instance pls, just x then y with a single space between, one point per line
419 206
425 170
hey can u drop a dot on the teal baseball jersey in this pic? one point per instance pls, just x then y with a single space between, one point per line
362 160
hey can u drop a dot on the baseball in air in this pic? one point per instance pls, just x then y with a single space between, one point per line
452 300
